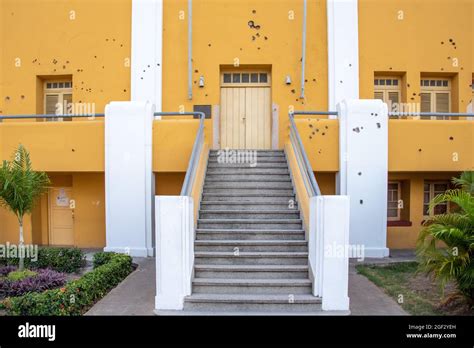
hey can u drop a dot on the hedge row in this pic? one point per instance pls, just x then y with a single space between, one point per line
68 260
76 296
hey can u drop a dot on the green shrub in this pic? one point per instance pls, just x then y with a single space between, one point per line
102 258
19 275
77 296
67 260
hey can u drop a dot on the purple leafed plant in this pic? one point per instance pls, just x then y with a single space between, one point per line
4 270
44 280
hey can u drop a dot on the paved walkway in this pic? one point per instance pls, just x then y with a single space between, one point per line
136 294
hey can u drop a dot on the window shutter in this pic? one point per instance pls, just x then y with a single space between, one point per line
378 95
442 102
394 97
51 101
425 104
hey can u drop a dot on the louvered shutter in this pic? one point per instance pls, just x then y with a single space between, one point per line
425 104
378 95
51 103
442 103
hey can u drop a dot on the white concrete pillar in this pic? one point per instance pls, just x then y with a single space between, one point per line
363 172
343 51
174 251
147 51
329 250
128 177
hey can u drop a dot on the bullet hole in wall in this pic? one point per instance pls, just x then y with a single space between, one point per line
361 201
419 150
451 138
378 125
360 173
357 130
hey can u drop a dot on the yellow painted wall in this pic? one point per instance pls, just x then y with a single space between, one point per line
89 215
404 237
427 39
89 40
221 34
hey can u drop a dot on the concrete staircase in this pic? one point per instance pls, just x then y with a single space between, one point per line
251 256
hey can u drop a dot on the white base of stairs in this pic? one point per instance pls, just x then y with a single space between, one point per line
241 314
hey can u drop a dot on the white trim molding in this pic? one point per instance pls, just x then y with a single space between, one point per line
147 52
343 51
363 168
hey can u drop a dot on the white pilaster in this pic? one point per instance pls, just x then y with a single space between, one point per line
363 167
128 177
147 51
175 251
343 51
329 250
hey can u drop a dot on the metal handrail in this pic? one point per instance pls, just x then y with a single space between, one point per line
31 116
431 114
197 147
303 162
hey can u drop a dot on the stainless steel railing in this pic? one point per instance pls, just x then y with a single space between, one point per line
304 165
196 152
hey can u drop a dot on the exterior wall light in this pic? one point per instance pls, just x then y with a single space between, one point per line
288 80
201 81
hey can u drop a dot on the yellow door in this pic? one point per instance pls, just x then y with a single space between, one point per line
245 115
61 222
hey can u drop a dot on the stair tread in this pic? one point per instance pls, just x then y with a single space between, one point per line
253 268
222 230
251 220
252 298
260 211
254 282
252 253
251 242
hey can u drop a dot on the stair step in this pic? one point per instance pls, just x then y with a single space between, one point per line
247 170
274 304
253 198
259 165
273 185
249 234
247 177
250 191
236 205
251 159
249 214
251 286
232 245
250 258
252 271
250 223
271 153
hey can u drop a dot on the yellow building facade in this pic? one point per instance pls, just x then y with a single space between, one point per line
246 55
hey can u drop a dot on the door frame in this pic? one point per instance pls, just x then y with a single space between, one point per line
50 190
273 109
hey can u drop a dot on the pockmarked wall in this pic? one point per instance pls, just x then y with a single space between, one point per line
409 39
223 38
88 41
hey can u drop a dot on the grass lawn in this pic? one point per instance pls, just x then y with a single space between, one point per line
415 292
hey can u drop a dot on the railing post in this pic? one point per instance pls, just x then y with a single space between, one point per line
174 251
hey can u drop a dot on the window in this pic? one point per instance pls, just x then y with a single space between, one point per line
240 79
431 190
388 90
435 97
57 99
393 201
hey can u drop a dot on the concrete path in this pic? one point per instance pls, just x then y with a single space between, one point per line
136 294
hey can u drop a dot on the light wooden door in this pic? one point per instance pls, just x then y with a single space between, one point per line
61 221
245 118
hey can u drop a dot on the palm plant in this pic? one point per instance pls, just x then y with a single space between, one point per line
20 187
455 260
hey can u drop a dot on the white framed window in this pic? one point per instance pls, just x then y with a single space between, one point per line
435 96
245 78
388 89
57 99
430 190
394 195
